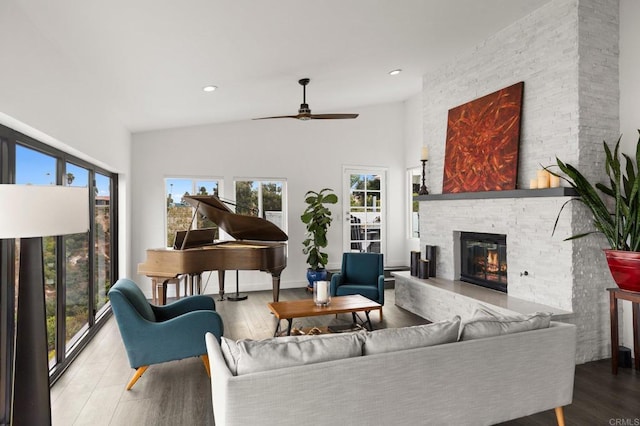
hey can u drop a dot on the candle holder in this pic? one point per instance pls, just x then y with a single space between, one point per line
321 295
423 188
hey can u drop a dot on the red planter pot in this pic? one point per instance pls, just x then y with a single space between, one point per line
625 268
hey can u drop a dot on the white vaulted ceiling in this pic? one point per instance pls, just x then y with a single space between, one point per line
150 59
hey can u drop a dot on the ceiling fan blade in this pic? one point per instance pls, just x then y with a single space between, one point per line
277 116
332 116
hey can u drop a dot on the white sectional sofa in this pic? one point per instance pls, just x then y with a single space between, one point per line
468 382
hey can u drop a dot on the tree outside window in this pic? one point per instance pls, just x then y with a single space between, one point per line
262 198
179 213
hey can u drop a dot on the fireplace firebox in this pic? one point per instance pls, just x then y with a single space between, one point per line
483 260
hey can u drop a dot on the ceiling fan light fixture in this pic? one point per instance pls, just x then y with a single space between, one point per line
395 72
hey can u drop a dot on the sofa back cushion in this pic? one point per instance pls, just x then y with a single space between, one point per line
251 356
486 323
419 336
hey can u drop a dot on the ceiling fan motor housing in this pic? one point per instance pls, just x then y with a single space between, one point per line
304 109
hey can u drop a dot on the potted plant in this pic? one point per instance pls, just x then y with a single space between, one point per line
616 212
317 218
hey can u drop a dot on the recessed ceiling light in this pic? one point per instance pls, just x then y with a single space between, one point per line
209 88
395 72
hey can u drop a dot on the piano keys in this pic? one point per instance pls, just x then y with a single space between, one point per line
259 245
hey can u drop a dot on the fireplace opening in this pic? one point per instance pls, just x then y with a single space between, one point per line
483 260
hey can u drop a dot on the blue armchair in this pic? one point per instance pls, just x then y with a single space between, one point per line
361 273
154 334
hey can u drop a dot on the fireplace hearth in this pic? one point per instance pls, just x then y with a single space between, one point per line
483 260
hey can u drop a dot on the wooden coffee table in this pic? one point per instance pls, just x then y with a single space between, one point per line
288 310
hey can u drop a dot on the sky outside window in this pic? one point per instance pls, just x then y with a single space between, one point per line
34 168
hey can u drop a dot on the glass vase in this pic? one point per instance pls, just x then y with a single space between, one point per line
321 295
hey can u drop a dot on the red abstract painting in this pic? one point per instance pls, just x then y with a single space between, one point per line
482 143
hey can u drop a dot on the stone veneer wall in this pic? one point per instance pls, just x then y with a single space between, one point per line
566 53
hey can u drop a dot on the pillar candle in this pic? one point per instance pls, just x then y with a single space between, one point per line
554 181
543 179
533 184
322 291
424 155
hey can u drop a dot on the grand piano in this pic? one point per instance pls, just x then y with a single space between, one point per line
259 245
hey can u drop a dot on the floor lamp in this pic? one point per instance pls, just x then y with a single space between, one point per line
31 212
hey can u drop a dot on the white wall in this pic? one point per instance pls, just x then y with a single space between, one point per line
309 155
629 106
45 95
413 145
46 90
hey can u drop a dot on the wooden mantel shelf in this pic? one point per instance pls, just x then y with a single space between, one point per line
516 193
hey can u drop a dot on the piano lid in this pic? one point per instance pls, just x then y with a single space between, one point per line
239 226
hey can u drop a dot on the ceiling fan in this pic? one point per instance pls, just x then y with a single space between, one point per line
304 113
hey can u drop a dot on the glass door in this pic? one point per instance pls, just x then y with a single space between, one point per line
76 270
365 200
102 236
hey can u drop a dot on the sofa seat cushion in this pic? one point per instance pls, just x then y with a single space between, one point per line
367 291
486 322
419 336
252 356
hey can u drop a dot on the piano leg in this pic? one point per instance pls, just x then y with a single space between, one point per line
275 283
221 284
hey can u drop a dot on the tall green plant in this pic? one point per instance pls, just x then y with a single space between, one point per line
317 218
621 226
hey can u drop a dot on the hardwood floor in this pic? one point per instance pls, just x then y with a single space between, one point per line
92 391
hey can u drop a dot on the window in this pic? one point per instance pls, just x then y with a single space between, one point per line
262 198
36 168
180 214
413 184
102 233
78 269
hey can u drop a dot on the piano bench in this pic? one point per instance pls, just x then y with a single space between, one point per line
157 290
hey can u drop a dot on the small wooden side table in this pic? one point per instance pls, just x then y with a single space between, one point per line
634 298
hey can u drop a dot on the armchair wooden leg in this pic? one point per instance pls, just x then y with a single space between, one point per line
381 314
205 361
560 416
139 372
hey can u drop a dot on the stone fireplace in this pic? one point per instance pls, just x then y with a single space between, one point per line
541 263
544 273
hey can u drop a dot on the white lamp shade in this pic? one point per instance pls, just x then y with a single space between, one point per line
39 211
